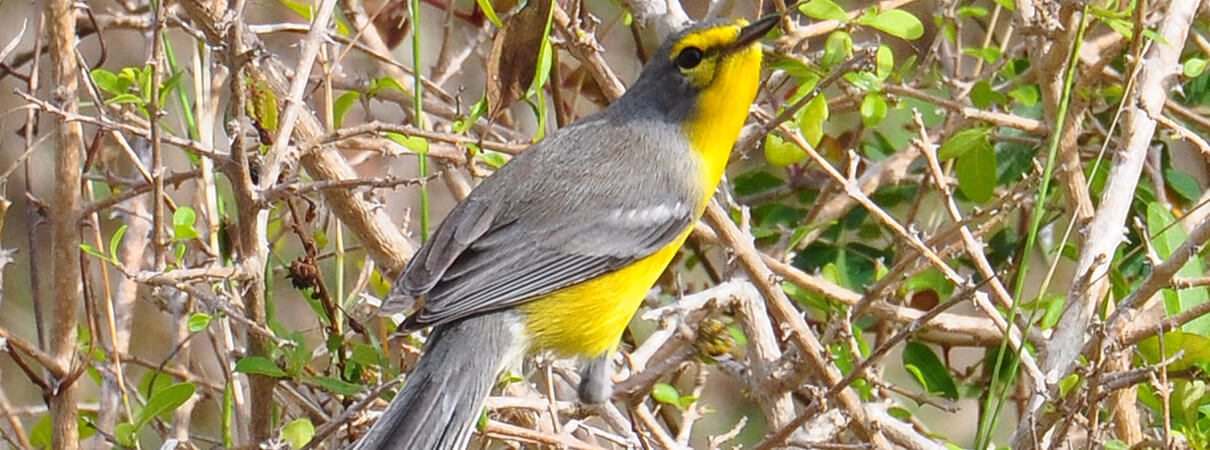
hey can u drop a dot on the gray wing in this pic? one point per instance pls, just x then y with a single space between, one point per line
505 244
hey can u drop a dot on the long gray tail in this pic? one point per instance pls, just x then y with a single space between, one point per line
442 398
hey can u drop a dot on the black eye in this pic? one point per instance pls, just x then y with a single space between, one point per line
689 58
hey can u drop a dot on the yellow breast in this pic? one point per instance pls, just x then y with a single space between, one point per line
588 319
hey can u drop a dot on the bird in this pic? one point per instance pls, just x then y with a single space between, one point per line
556 250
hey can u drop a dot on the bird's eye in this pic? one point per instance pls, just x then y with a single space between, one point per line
689 58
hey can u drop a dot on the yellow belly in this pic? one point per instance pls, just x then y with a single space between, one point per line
588 319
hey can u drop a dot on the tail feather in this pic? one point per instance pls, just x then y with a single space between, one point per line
442 398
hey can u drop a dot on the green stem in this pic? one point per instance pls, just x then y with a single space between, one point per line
995 403
418 98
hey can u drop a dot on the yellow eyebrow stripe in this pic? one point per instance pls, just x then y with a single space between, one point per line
709 38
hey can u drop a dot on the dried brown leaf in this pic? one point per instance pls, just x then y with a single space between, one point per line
514 57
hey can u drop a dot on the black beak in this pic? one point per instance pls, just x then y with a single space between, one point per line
756 30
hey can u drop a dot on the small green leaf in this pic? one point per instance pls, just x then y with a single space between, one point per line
983 96
988 54
1183 184
1066 384
895 22
966 12
366 355
164 401
1194 67
490 12
182 224
115 241
298 433
334 385
929 371
124 98
494 159
303 10
1195 348
873 110
1054 310
837 49
962 142
1026 94
885 62
864 80
414 143
824 10
342 105
1167 236
198 322
386 83
89 249
811 120
977 173
259 365
667 394
780 153
125 433
108 81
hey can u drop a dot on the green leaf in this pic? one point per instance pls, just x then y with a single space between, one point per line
1167 236
342 105
164 401
1194 67
414 143
490 12
885 62
494 159
780 153
1196 349
1066 384
895 22
115 241
873 110
1026 94
1183 184
977 172
824 10
928 370
386 83
811 120
931 279
108 81
89 249
866 81
198 322
334 385
40 434
667 394
965 12
298 433
1054 310
755 182
125 433
169 85
988 54
182 224
303 10
124 98
983 96
837 49
259 365
962 142
367 355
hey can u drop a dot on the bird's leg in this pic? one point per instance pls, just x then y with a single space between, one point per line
596 380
